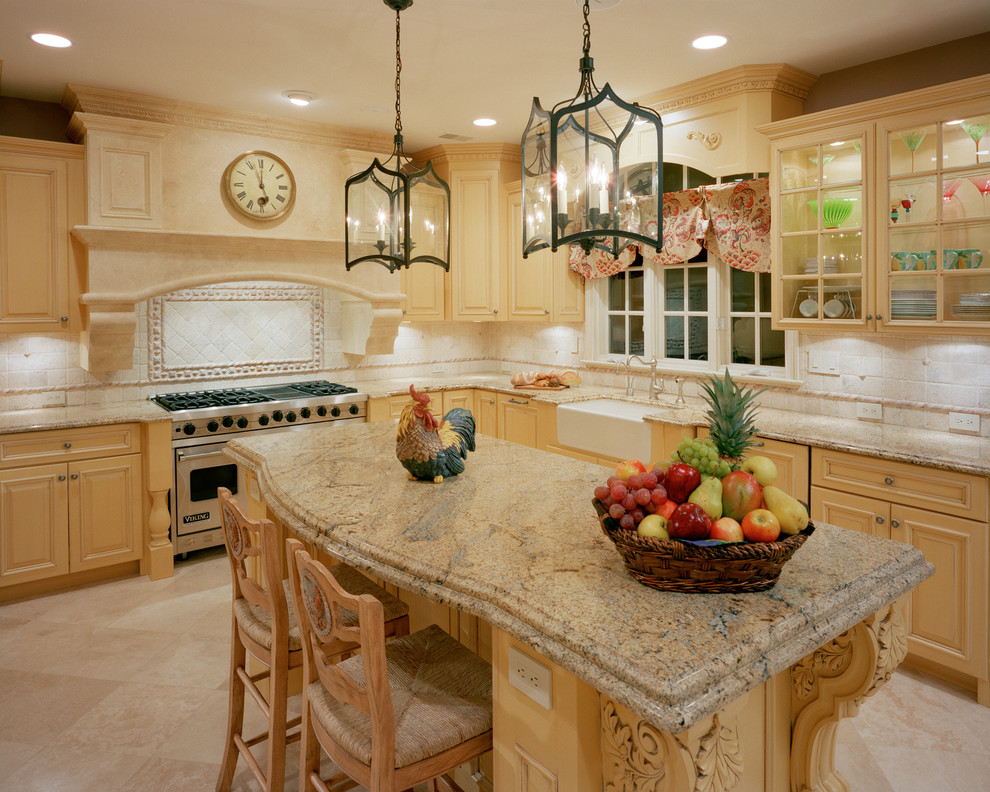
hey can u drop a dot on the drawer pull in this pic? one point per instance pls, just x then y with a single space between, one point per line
888 481
895 523
62 477
74 476
68 445
516 401
879 519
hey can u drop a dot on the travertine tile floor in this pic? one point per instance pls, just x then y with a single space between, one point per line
122 686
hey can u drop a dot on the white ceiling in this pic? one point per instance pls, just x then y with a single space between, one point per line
461 58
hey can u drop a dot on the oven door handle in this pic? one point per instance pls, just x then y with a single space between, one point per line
187 453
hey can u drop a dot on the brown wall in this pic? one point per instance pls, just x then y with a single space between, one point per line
954 60
25 118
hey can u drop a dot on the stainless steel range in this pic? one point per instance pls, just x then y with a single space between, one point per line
202 423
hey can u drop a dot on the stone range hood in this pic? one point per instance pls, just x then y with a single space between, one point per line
128 266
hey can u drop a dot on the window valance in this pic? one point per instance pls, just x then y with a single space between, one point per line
731 220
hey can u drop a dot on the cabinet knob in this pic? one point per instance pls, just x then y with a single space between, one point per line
869 316
895 523
63 318
62 477
68 445
879 317
495 311
546 311
74 476
880 520
888 481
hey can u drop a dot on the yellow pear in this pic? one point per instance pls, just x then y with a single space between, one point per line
708 495
762 469
790 511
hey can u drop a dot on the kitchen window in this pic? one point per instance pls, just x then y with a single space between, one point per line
700 316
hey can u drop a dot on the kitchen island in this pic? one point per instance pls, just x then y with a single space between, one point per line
655 690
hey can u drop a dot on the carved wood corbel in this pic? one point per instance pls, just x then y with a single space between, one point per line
711 141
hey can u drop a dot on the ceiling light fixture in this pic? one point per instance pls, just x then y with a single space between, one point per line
576 176
51 40
484 122
298 98
709 42
389 212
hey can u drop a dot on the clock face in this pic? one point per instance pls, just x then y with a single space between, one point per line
260 185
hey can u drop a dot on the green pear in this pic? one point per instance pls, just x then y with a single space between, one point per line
762 469
708 495
789 511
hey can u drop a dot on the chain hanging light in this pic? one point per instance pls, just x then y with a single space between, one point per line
397 215
579 183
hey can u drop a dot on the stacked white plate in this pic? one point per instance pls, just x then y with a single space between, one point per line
973 307
829 265
912 303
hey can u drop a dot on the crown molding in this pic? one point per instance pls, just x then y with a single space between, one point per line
81 123
465 152
969 89
16 145
155 109
754 78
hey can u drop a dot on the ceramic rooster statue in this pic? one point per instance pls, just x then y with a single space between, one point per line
432 449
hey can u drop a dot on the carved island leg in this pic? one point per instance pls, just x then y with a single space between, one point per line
158 481
830 684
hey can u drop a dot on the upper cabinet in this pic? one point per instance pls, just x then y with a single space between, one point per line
41 198
882 213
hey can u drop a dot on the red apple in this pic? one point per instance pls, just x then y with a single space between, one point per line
666 508
628 468
689 521
681 480
760 525
727 530
741 494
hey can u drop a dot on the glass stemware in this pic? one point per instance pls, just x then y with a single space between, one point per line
976 130
982 183
912 140
949 189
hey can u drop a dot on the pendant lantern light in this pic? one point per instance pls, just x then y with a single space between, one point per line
397 215
583 177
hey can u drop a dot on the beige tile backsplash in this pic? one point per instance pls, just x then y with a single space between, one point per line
278 333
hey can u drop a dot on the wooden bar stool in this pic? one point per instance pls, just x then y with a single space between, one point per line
264 626
397 714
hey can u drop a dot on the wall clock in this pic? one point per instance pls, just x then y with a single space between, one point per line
260 185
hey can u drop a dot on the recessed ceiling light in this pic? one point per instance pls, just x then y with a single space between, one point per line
50 40
709 42
298 98
485 122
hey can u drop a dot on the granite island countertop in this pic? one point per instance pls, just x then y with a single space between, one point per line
530 558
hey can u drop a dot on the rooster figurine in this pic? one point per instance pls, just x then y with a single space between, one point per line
432 449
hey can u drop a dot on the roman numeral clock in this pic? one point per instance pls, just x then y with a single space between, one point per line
259 185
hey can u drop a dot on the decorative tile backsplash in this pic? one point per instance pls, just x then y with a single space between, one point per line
229 331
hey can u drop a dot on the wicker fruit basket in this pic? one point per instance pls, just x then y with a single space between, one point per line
670 565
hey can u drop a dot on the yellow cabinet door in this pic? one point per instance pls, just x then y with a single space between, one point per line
792 461
104 511
462 397
474 277
866 515
486 418
34 244
947 613
528 280
568 289
517 419
34 538
425 286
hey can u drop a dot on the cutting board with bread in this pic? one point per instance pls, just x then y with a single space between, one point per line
557 379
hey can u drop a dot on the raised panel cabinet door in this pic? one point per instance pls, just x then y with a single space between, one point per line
34 534
424 285
486 419
34 255
947 613
462 397
517 420
568 289
474 241
866 515
529 288
105 524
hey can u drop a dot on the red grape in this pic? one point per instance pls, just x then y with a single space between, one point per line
612 481
615 511
607 502
634 482
649 508
642 496
602 492
627 522
650 480
638 515
659 496
619 491
629 502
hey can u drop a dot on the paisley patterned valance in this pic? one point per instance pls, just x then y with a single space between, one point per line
731 220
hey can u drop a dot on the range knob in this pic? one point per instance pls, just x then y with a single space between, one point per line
353 409
290 417
189 428
263 420
242 422
335 411
277 415
227 421
212 426
321 411
305 412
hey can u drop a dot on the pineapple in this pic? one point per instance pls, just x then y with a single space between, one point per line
732 416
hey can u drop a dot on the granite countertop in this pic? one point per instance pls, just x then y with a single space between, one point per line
142 411
534 562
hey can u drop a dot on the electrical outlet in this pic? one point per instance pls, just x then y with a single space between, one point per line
823 363
505 367
438 368
531 677
868 411
964 422
53 399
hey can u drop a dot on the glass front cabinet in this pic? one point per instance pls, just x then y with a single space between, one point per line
882 214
